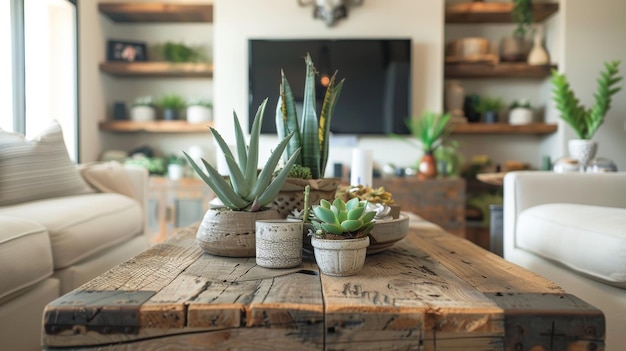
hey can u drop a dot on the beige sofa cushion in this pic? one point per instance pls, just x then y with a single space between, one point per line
25 254
36 169
587 239
83 225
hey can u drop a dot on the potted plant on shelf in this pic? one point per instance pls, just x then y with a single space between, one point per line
430 129
176 167
341 238
489 108
230 230
520 112
199 111
311 136
585 122
171 105
143 109
515 47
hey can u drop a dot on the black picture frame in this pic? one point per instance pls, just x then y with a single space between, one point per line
126 51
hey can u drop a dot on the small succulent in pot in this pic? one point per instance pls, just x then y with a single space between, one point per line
343 220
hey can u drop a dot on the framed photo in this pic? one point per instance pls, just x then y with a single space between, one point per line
126 51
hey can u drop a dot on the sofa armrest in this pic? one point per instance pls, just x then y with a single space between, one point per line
524 189
138 177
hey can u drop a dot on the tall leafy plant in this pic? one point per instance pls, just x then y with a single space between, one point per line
522 15
430 129
586 121
311 135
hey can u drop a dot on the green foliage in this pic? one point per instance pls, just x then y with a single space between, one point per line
179 52
486 103
301 172
200 102
521 103
172 101
430 129
522 15
311 135
154 165
247 189
348 219
586 122
144 101
176 160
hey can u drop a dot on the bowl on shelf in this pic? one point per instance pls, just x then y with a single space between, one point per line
388 232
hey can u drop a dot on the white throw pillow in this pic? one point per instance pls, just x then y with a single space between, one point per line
37 169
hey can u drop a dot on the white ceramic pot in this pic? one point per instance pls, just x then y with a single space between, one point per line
198 114
175 171
520 116
340 257
279 243
583 150
142 113
229 233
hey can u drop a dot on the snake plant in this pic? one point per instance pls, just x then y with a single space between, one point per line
311 135
586 122
348 219
248 189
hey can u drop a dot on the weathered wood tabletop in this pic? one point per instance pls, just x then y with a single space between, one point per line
430 291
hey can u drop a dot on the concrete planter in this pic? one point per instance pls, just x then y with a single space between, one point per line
279 243
340 257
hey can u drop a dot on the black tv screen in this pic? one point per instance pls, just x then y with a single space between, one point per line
376 95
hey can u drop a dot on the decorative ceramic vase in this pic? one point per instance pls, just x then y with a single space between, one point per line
538 55
583 150
198 114
142 113
170 114
340 257
229 233
514 49
427 167
454 99
490 117
291 195
279 243
520 116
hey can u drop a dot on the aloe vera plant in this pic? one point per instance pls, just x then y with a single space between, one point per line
347 219
248 189
311 136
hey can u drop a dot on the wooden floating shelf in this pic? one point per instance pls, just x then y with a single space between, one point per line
156 12
493 12
501 70
157 69
503 128
155 127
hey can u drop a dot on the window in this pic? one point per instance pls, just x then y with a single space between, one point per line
48 88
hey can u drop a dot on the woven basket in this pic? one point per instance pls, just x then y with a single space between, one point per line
291 196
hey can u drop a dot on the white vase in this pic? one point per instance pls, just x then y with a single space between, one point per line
142 113
583 150
279 243
538 55
198 114
340 257
520 116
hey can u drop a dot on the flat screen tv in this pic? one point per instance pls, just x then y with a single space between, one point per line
376 95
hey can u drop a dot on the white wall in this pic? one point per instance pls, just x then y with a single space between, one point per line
237 20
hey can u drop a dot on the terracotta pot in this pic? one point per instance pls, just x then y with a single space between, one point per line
229 233
292 193
427 167
340 257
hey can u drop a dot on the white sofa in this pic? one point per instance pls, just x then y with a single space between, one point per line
60 226
571 228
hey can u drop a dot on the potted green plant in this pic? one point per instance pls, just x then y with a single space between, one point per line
585 121
515 47
199 110
143 109
520 112
341 238
311 135
489 108
429 130
171 104
245 195
176 167
180 52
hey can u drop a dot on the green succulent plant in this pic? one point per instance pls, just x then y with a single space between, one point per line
144 101
200 102
247 189
347 219
172 101
586 122
486 103
311 135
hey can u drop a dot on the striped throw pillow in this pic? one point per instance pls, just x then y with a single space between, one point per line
37 169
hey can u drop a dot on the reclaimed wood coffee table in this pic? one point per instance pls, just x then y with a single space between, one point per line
430 291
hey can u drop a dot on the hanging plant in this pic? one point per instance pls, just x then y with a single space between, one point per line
522 15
